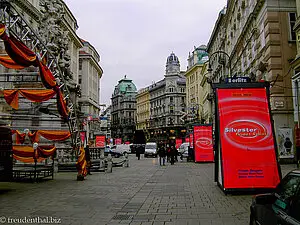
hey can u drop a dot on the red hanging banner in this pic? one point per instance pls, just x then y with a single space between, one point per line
178 142
203 146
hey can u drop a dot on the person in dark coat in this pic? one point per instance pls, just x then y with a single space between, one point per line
88 160
162 153
173 153
138 151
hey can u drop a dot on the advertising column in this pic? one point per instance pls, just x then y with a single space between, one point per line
246 147
203 146
100 141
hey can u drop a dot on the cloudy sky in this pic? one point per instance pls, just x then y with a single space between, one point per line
135 37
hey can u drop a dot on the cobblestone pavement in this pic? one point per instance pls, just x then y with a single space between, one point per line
145 193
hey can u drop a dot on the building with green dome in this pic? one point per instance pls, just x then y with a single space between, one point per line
123 112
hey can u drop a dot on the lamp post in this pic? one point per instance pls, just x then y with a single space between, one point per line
209 70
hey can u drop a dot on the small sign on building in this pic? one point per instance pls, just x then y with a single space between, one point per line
237 80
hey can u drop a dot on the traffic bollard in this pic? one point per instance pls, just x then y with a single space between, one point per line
102 162
109 164
126 161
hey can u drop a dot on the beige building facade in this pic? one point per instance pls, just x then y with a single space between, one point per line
197 89
142 109
255 39
90 73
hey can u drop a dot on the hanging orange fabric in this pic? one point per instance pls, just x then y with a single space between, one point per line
17 50
6 61
46 151
27 159
61 104
12 98
23 151
81 163
20 137
37 95
33 136
47 77
55 135
27 153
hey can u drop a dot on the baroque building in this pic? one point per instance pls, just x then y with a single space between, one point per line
123 111
46 18
255 39
167 103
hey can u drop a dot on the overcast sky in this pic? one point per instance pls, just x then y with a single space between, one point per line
135 37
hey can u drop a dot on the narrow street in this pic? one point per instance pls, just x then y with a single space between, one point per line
144 193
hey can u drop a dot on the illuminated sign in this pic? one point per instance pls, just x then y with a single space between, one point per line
100 141
203 143
178 142
247 157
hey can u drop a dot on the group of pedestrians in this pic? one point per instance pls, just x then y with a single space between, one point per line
168 151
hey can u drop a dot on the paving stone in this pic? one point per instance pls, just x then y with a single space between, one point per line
142 194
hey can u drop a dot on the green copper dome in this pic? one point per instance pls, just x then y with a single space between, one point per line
125 86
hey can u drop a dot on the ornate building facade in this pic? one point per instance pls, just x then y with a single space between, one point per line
255 39
142 109
89 77
167 103
123 111
197 90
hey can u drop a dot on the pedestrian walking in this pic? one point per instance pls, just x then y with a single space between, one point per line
173 153
88 160
138 151
162 153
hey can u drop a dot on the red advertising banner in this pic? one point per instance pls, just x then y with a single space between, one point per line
203 143
83 136
118 141
187 139
247 154
100 141
191 140
178 142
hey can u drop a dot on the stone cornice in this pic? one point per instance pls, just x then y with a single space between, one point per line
194 67
29 9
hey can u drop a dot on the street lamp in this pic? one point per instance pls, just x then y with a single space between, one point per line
209 70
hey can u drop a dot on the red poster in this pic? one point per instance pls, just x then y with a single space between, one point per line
118 141
204 151
191 140
187 139
100 141
82 137
178 142
247 145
